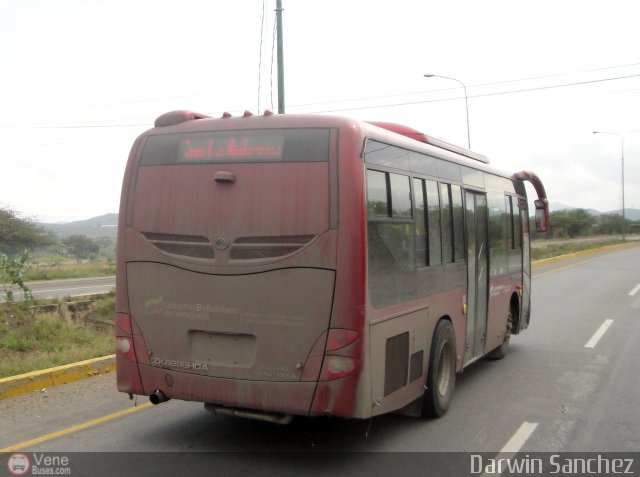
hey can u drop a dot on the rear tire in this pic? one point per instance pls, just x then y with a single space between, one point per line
441 374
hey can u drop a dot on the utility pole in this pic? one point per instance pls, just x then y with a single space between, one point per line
279 10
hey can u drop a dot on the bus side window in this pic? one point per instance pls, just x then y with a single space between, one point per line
400 196
517 226
377 197
390 238
433 207
458 226
447 223
509 214
421 223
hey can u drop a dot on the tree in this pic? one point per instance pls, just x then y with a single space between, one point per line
574 222
12 272
80 247
610 224
17 234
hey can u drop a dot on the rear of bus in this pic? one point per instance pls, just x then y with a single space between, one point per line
228 242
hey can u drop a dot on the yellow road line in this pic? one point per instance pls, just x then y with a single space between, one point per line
47 437
542 274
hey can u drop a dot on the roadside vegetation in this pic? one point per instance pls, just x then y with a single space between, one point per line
589 231
556 250
67 269
30 341
48 257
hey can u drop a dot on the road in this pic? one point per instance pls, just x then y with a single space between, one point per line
69 287
568 384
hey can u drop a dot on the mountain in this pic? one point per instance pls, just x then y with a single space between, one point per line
96 227
555 206
630 214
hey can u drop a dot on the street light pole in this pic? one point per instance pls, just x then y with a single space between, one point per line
466 101
279 10
622 137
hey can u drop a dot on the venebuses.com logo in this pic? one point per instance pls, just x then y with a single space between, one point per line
38 464
18 464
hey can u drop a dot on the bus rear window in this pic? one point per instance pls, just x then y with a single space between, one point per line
265 145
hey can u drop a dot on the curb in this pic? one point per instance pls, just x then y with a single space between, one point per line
35 380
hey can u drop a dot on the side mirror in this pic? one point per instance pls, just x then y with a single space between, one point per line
542 216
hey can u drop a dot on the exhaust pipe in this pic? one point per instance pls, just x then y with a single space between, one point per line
282 419
157 397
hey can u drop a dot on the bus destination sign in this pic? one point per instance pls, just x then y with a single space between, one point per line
201 147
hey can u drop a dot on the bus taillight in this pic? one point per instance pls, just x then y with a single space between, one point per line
336 367
339 338
123 323
124 348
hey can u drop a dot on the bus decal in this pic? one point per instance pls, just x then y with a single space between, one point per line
174 363
154 306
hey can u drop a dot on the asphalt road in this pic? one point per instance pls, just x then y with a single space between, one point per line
68 287
568 384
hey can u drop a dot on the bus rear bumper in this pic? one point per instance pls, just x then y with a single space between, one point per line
272 396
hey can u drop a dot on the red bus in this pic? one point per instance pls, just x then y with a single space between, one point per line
280 265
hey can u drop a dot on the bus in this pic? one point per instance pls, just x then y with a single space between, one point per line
279 265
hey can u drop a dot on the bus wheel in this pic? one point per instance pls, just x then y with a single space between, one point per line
501 351
441 377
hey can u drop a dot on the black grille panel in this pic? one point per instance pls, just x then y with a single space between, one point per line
396 363
251 248
193 246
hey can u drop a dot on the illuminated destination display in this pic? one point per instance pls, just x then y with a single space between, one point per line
205 147
262 145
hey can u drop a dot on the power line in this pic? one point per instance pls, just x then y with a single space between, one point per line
408 103
483 95
477 85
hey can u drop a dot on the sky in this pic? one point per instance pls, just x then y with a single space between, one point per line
81 79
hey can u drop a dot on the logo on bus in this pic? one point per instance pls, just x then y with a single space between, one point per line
154 306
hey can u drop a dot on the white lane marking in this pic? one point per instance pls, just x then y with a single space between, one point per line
598 334
513 446
519 438
67 289
635 290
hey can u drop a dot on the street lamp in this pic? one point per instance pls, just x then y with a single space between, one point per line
621 136
466 101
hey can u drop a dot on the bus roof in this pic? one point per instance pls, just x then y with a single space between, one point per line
401 135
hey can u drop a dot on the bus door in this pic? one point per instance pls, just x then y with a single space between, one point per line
526 264
477 274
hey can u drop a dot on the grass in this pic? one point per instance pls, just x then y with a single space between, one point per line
61 271
31 342
549 251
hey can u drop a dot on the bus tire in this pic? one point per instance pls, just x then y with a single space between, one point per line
441 373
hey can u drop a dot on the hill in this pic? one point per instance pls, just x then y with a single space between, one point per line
630 214
96 227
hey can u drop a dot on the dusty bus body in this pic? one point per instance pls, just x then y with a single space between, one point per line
258 273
